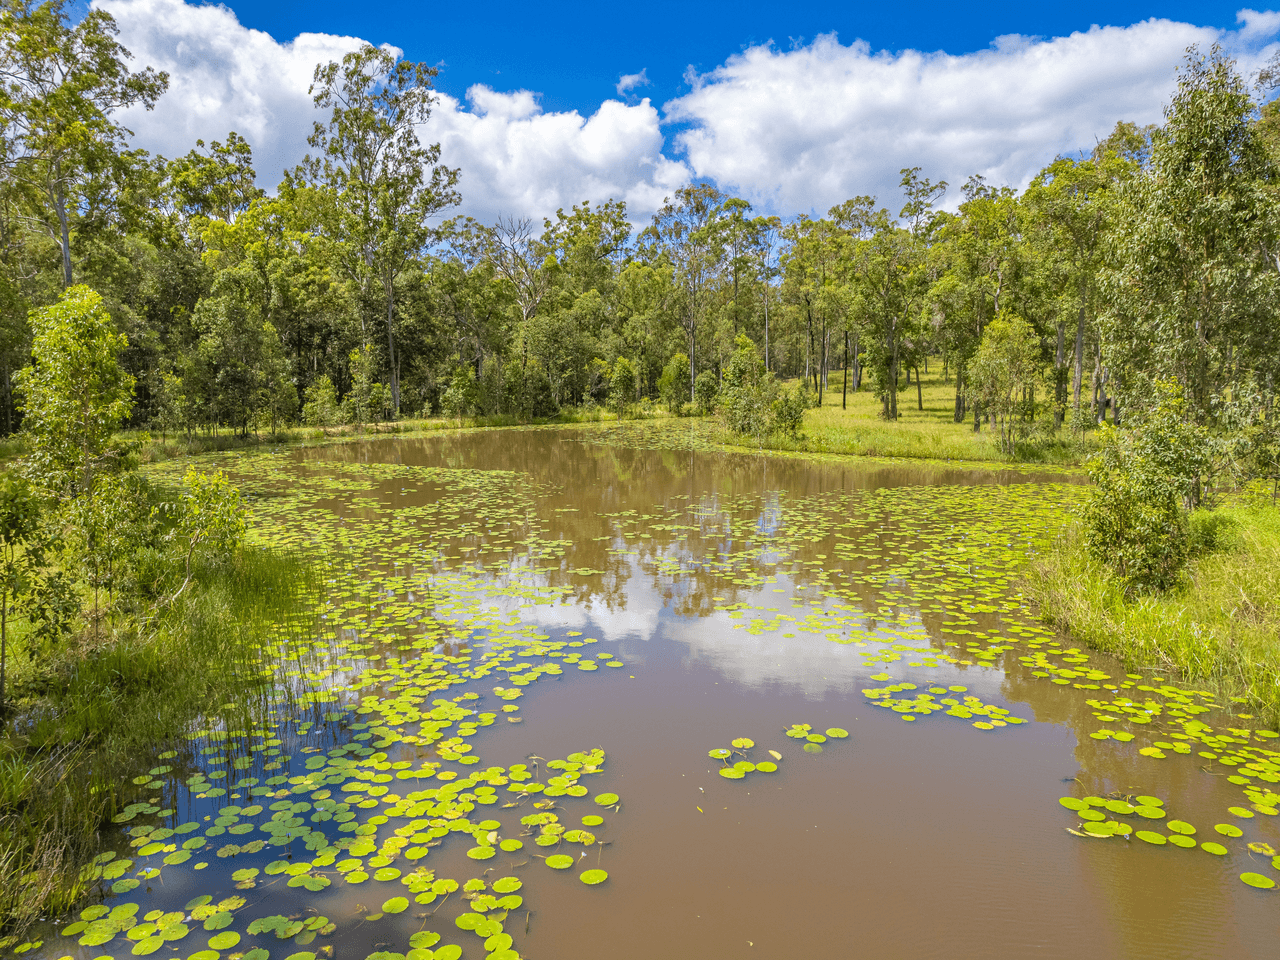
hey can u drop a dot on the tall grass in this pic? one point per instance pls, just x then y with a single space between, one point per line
90 719
1220 629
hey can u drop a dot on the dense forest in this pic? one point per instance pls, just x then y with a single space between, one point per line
351 293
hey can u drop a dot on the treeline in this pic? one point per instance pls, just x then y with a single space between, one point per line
346 295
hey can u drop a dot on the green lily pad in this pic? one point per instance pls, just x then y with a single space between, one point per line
1228 829
395 905
837 733
1181 826
1217 849
592 877
607 799
560 861
1258 880
224 940
1148 836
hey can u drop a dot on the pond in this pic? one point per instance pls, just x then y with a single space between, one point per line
587 692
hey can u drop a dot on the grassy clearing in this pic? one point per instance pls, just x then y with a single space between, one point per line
929 433
1220 629
93 716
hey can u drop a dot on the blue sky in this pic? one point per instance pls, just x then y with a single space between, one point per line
574 53
793 109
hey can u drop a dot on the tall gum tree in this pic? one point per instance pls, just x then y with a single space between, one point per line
386 186
59 87
1193 275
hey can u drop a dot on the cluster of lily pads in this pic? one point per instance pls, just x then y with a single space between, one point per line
369 762
739 769
940 699
1094 823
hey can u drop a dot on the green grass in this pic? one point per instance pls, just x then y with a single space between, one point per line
1220 629
93 715
929 433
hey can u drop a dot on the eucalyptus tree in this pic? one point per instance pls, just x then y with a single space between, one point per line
891 279
812 282
685 234
60 85
75 393
983 254
386 186
1195 260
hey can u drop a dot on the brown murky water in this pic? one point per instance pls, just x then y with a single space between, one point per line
927 839
921 839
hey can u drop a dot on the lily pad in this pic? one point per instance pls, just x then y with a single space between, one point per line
560 861
592 877
1258 880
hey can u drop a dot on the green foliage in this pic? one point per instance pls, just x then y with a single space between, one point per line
321 407
673 385
1146 477
789 407
21 557
1193 282
705 390
75 393
459 399
211 518
1004 369
622 384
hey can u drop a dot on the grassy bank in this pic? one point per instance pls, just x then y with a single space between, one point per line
925 428
1221 629
95 715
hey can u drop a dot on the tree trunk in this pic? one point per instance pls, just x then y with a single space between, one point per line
844 395
1060 377
391 351
64 228
919 391
1078 375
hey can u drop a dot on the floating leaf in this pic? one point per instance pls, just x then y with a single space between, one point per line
560 861
1258 880
592 877
1147 836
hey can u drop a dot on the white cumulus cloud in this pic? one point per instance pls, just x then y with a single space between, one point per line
629 81
792 131
222 77
515 159
803 129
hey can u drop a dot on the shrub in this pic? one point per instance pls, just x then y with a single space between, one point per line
673 384
705 391
1146 478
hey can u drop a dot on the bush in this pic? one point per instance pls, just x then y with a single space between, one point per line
705 391
1146 478
622 385
673 384
321 408
789 408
